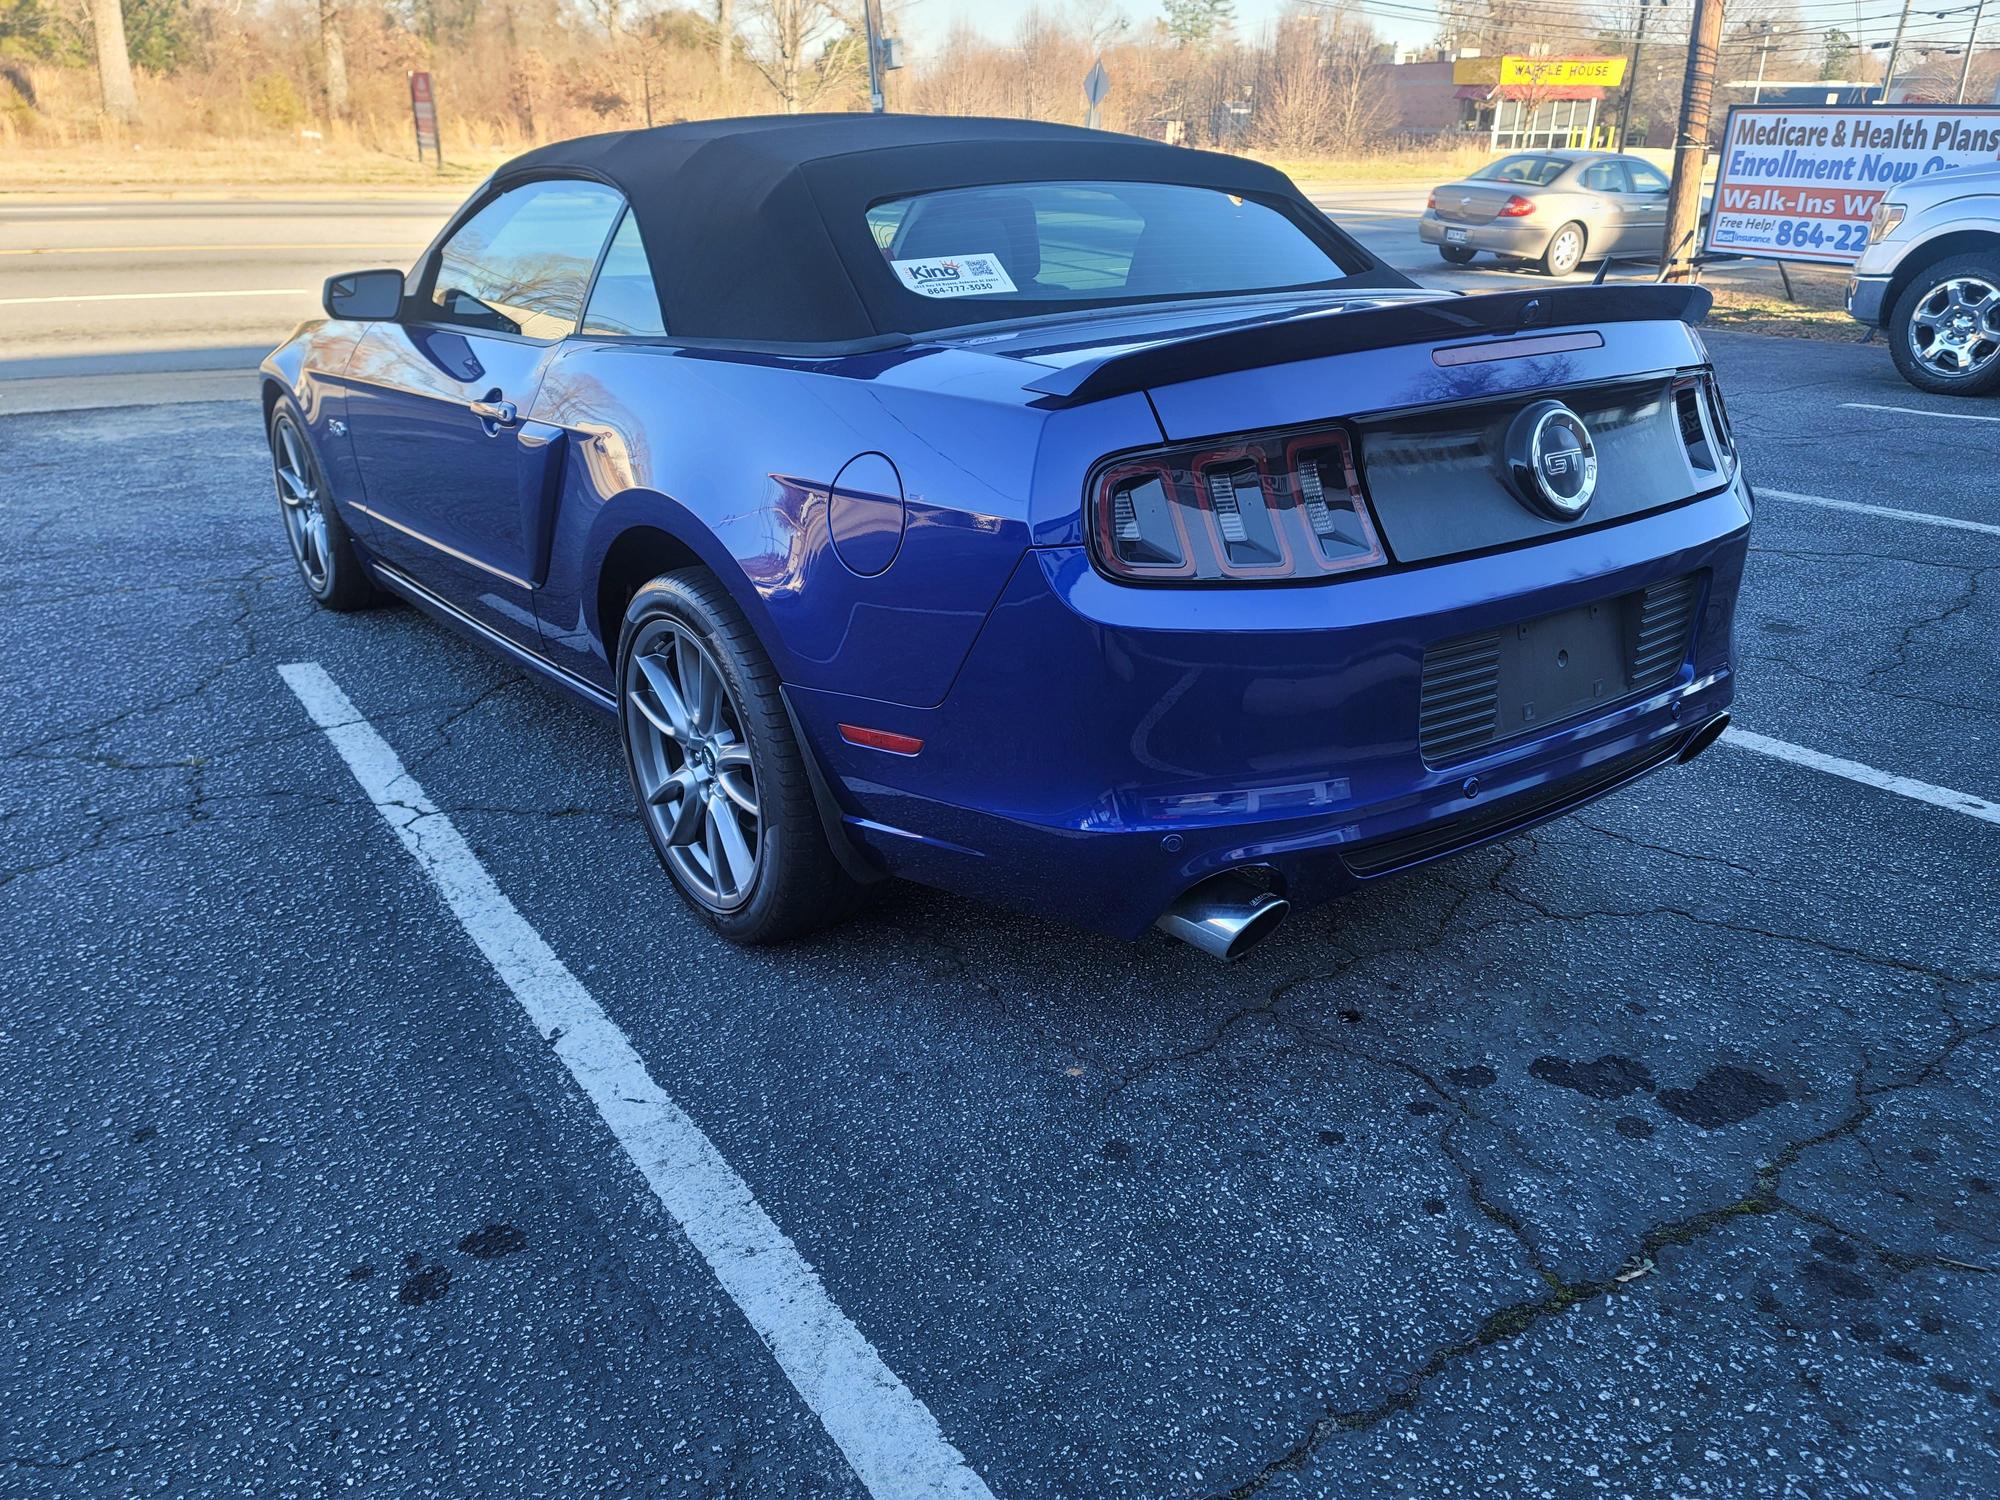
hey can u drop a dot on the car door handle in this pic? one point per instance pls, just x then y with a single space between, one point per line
499 413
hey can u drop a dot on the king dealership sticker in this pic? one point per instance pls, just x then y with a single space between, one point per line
955 276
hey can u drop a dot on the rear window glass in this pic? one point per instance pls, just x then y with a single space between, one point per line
1103 242
1539 171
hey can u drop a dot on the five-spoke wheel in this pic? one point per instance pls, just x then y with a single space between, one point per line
320 543
721 780
695 776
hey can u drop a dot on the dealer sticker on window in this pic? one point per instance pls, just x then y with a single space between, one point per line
955 276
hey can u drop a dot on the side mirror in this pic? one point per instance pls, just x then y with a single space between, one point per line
364 296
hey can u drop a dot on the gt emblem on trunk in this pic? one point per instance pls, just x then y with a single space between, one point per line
1552 461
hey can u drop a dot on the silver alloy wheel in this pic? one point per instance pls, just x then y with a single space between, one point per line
1566 253
1955 330
299 499
692 764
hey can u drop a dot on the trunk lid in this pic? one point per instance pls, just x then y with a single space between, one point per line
1475 202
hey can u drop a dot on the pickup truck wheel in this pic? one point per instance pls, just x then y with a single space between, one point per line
1458 255
1945 331
721 783
321 545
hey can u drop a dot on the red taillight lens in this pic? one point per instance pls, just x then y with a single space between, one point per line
1431 203
1285 507
1517 207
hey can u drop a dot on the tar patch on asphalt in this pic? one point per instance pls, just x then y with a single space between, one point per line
1610 1077
1723 1096
491 1241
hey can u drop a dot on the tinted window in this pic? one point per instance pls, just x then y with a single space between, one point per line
520 265
1537 171
1606 177
624 302
1647 177
1092 242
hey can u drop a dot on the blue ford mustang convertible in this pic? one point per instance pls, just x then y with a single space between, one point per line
1057 517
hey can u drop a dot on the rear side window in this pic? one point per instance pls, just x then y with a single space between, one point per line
1536 171
1607 177
522 263
1647 177
1103 242
624 303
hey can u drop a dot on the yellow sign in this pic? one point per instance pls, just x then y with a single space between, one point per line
1541 72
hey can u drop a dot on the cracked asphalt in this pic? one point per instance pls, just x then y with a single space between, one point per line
1650 1154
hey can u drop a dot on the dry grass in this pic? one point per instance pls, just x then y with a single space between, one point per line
1428 167
254 165
1753 300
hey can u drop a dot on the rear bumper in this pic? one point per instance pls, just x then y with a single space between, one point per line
1105 747
1522 237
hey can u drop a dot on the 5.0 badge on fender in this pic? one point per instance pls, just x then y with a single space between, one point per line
1552 461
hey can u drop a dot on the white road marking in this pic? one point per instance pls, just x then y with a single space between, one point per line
283 291
1917 411
889 1436
1853 770
1889 511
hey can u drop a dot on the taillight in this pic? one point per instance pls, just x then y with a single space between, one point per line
1517 207
1283 507
1704 426
1431 203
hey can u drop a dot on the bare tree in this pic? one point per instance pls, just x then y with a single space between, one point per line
796 45
333 52
114 61
1319 92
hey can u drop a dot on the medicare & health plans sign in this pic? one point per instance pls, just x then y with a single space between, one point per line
1801 184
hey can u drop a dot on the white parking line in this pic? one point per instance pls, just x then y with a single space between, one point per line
1853 770
889 1436
1889 511
1917 411
285 291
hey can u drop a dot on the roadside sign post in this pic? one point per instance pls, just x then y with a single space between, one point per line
1096 85
1802 183
423 111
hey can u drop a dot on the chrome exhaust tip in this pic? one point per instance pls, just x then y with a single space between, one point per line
1225 916
1703 737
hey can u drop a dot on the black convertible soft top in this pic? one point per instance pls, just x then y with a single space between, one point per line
757 231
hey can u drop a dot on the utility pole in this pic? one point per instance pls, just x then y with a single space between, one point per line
871 20
1691 140
1971 41
1763 53
1632 82
1895 47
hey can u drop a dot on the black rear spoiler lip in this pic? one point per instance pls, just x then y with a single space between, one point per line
1436 320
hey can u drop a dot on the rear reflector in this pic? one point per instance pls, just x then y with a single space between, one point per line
880 739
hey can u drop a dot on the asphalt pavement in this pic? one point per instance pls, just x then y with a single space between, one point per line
1650 1153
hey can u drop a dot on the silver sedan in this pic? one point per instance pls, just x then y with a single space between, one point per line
1552 207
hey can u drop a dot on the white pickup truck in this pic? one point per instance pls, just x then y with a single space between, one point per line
1930 279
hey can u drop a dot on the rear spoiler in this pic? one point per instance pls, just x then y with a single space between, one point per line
1336 332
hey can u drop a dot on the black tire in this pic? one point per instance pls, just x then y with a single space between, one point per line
799 885
1458 255
322 547
1564 264
1981 269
